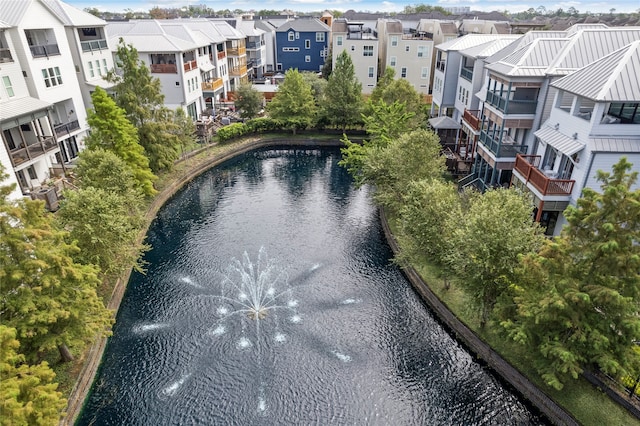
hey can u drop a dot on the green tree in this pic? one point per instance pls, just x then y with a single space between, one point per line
47 297
111 130
248 101
383 83
100 168
318 85
184 130
28 394
140 95
496 230
293 104
577 300
343 97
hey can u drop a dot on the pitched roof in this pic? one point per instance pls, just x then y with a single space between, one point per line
530 60
21 106
467 41
444 122
148 36
489 48
12 12
304 25
613 78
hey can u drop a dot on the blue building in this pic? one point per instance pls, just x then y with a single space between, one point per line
302 43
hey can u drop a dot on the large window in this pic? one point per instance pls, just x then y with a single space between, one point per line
392 61
367 51
422 51
91 72
338 40
394 41
8 86
320 37
51 76
626 112
425 72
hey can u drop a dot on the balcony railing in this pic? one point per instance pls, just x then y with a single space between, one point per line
66 128
472 117
221 55
42 50
164 68
466 73
527 166
511 106
30 152
212 85
254 45
238 71
237 51
502 148
5 55
440 65
190 65
93 45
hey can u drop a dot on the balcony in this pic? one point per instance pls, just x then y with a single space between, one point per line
440 65
237 51
66 128
504 147
527 166
222 55
44 50
466 73
472 117
511 106
213 85
164 68
254 45
93 45
190 65
238 71
32 151
5 55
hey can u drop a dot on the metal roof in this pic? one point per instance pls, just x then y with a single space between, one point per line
531 60
614 78
489 48
304 25
12 12
22 106
565 144
444 122
469 40
626 144
249 29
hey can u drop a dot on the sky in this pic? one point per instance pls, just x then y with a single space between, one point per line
359 5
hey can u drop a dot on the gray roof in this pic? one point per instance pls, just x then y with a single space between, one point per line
530 60
249 29
21 106
489 48
469 40
579 27
613 78
565 144
12 12
304 25
626 144
444 122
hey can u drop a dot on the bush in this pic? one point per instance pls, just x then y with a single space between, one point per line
234 130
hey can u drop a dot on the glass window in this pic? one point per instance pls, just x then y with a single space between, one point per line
320 37
32 173
393 61
367 51
339 40
291 36
394 40
51 76
370 72
403 72
307 44
8 86
406 48
422 51
104 66
98 67
425 72
307 58
91 72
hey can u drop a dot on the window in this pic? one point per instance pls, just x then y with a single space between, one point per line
91 73
297 35
307 58
394 40
425 72
8 86
98 67
307 44
393 61
104 66
367 51
290 49
422 51
320 37
32 173
406 48
51 76
403 72
353 48
370 72
279 67
291 36
338 40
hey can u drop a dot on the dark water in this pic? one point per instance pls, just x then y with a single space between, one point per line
339 337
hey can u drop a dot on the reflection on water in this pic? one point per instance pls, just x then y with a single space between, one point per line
270 299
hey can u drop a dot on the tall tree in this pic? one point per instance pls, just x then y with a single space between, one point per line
343 97
293 104
248 101
28 393
577 300
111 130
140 95
497 229
100 168
184 130
48 298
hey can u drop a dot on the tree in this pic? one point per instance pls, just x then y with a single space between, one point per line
140 95
577 300
318 85
184 129
390 90
293 103
111 130
100 168
383 82
248 101
28 394
47 297
343 97
496 230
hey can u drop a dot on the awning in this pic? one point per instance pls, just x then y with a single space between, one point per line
206 67
21 111
559 141
444 122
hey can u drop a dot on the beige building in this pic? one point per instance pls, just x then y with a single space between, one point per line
362 45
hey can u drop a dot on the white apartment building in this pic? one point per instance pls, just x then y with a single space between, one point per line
409 53
52 55
362 45
256 48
